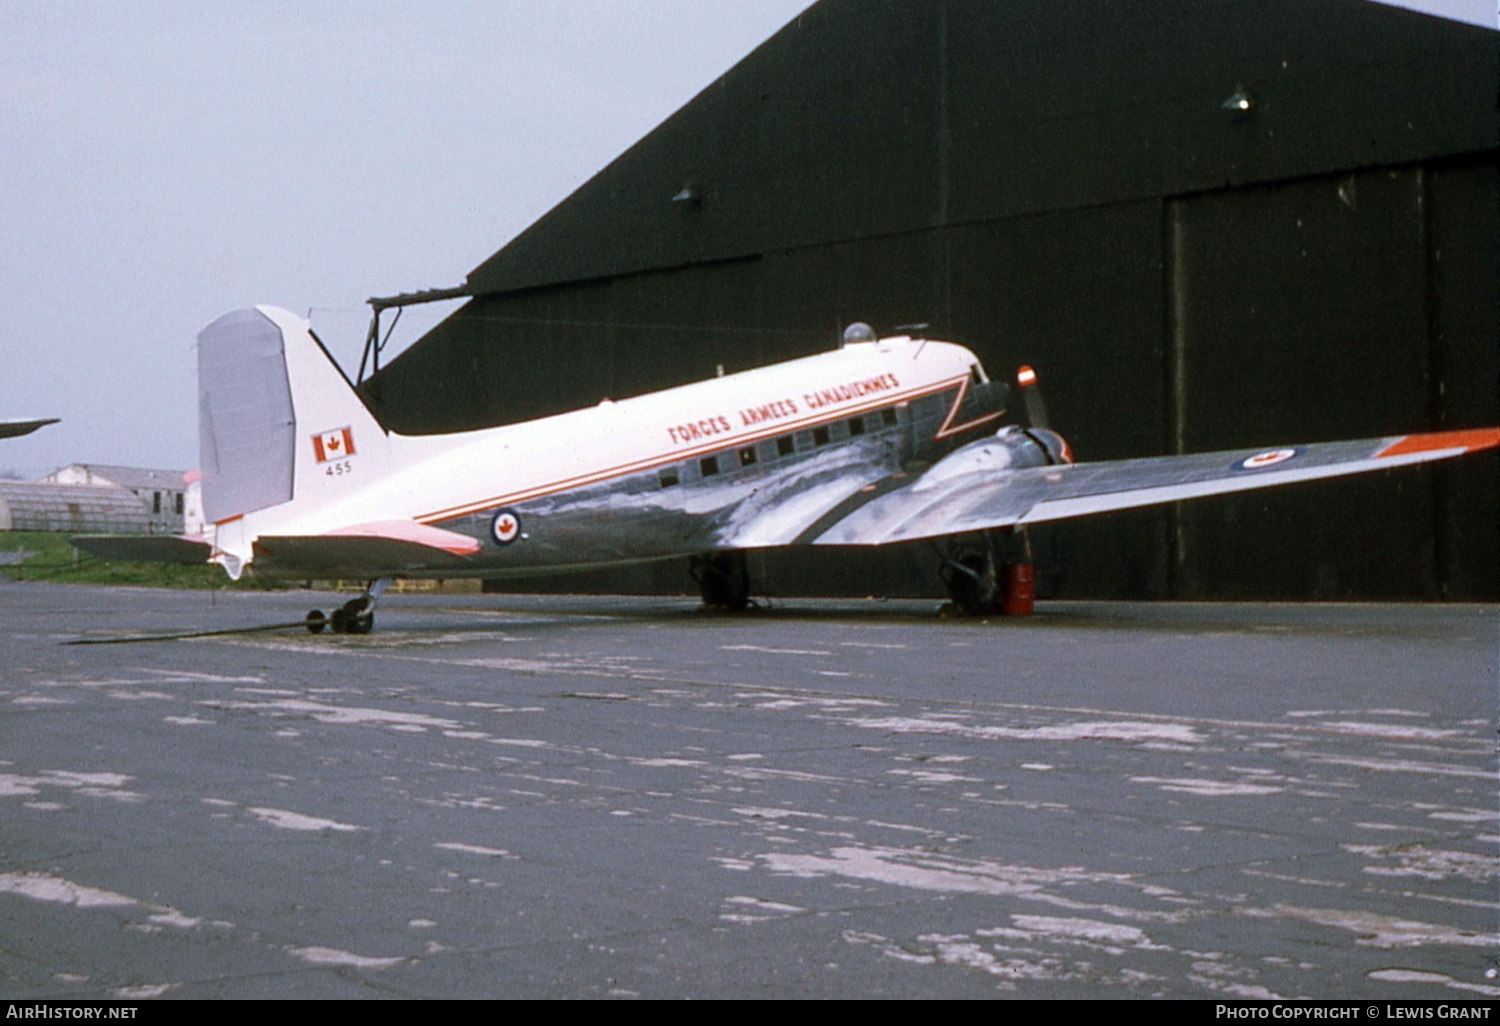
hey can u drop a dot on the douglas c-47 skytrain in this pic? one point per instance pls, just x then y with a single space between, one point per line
881 440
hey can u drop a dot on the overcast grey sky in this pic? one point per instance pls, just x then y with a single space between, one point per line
162 163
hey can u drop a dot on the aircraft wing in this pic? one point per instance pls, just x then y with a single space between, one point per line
385 548
17 428
943 502
143 548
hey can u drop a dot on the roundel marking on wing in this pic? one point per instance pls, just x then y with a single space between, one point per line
505 527
1263 460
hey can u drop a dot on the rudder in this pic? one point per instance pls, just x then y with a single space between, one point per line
274 409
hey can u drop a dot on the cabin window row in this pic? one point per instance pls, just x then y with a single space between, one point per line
786 445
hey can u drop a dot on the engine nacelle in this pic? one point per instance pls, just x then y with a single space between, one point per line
1058 450
1010 448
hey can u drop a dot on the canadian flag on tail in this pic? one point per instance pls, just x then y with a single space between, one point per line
333 445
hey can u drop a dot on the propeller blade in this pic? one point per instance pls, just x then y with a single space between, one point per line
1031 395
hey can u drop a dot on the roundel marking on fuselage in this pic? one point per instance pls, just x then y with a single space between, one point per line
505 527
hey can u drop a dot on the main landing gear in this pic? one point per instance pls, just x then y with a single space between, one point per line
357 616
723 578
990 576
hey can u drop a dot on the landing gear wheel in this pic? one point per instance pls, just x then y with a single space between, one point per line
357 616
724 579
972 584
353 617
990 575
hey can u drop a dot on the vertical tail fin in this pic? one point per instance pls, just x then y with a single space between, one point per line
277 418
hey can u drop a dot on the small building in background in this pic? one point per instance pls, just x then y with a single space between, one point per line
75 509
194 522
163 492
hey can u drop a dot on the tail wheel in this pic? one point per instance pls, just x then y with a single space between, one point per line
353 617
357 616
723 578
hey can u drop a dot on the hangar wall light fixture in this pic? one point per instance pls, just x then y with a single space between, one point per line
1240 102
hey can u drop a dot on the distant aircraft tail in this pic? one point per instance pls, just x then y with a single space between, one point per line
278 421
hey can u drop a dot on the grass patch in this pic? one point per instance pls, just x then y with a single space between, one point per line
47 556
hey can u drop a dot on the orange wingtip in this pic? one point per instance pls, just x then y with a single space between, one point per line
1025 376
1469 441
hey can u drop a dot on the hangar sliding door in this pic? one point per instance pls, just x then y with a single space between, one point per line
1315 310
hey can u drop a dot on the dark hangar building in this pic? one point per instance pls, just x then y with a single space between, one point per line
1207 224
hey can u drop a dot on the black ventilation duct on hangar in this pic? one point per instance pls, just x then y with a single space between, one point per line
1207 223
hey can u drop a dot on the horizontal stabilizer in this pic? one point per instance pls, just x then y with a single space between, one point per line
143 548
386 548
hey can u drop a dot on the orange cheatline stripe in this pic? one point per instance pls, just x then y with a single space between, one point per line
1477 438
721 444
